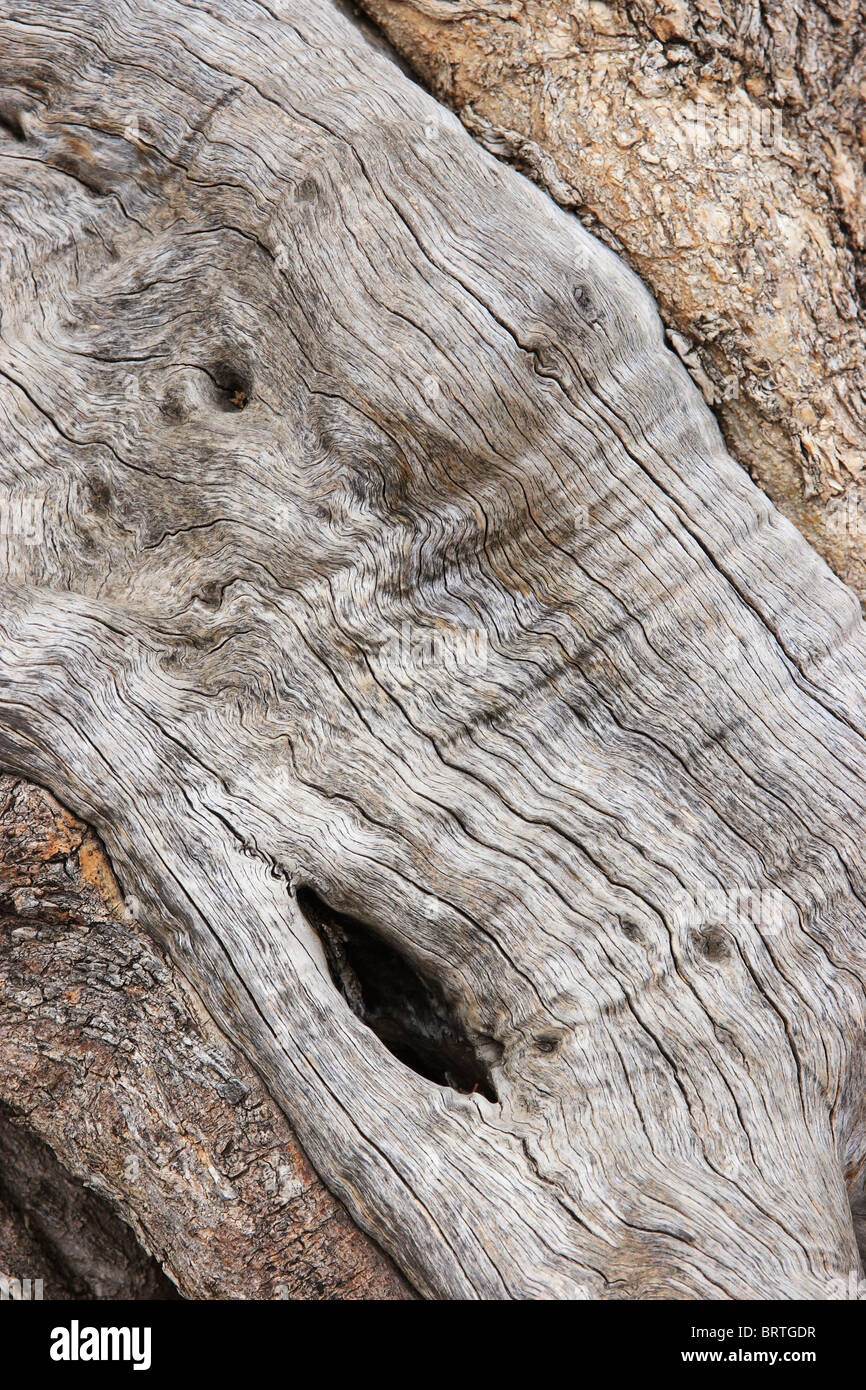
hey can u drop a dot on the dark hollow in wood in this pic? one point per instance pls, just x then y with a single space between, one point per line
406 1010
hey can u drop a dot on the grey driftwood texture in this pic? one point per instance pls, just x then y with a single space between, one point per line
300 375
720 147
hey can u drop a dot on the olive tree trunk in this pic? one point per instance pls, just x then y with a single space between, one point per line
460 721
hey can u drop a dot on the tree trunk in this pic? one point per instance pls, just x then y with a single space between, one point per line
718 145
472 734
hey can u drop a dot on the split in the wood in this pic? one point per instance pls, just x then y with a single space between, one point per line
407 1011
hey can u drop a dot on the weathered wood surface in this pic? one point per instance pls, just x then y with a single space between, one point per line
720 146
301 373
110 1065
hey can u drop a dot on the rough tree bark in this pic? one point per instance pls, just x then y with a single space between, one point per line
719 146
545 931
111 1065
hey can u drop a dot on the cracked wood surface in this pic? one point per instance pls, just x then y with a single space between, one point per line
294 369
720 146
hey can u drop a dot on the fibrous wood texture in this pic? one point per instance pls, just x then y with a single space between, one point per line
110 1064
394 612
719 146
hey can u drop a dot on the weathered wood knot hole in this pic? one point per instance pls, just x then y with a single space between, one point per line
99 497
408 1011
12 125
547 1042
587 306
307 191
233 387
210 594
712 942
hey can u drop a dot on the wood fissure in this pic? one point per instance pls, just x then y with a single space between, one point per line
406 1011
